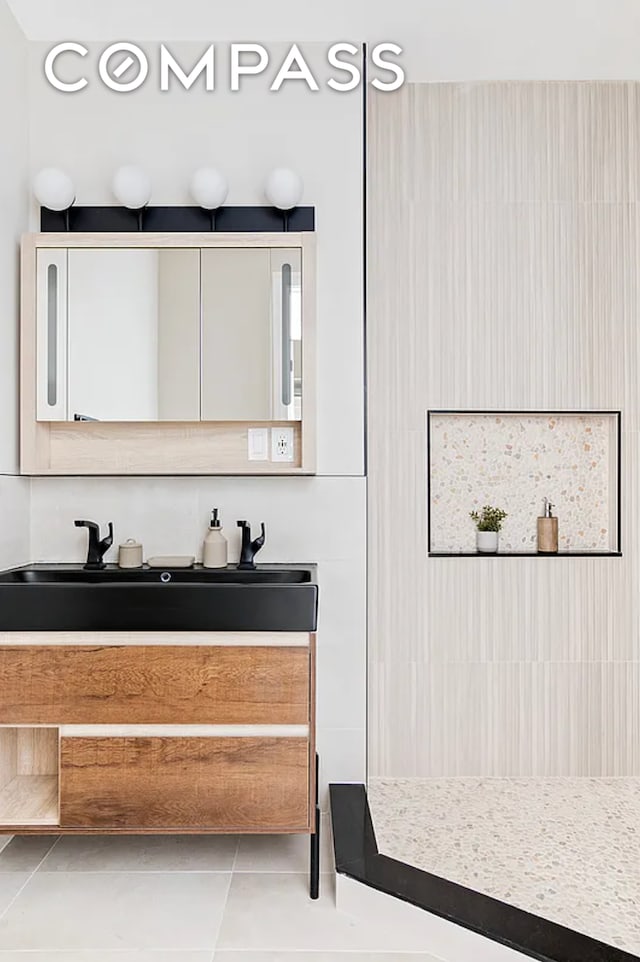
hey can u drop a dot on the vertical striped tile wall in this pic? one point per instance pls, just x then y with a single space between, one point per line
504 272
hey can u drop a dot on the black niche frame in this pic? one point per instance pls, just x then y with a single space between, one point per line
585 412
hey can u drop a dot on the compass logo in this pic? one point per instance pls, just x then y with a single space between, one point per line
124 67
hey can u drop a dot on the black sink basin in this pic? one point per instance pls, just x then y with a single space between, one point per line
191 576
70 598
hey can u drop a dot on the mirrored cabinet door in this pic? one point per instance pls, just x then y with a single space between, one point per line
236 334
179 335
169 334
251 324
133 335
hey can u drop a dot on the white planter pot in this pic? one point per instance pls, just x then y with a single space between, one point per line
487 542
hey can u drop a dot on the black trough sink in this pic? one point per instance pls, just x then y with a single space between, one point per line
71 598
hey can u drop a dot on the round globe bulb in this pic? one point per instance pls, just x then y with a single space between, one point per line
284 188
132 187
209 188
54 189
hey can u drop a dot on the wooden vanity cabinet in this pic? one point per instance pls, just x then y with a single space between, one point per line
153 685
115 733
232 784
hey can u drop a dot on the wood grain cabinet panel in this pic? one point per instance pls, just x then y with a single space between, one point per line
221 784
154 685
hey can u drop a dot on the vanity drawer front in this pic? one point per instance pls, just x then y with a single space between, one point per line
247 784
154 685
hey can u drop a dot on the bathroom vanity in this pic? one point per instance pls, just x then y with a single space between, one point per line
147 700
197 717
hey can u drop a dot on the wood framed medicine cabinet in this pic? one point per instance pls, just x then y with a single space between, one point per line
156 354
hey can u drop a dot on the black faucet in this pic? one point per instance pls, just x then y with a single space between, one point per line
97 548
249 548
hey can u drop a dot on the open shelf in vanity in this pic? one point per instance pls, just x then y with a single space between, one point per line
29 773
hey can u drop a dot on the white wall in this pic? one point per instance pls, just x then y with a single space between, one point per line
317 519
443 39
245 134
14 521
14 492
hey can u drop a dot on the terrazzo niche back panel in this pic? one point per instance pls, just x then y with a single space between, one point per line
513 461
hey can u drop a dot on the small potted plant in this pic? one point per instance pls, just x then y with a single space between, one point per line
488 523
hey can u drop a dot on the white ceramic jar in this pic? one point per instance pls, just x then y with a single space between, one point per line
130 554
487 542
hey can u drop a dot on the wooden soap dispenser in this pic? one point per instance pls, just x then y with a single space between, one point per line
547 530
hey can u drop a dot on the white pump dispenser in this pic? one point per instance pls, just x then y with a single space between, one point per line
215 549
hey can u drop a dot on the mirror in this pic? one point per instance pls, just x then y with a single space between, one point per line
133 335
169 334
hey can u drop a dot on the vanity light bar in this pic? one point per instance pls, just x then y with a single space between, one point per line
182 220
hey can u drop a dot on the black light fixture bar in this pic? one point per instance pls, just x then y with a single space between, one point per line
180 220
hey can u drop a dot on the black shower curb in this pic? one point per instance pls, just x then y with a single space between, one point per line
357 857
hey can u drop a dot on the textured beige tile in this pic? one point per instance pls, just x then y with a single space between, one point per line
504 224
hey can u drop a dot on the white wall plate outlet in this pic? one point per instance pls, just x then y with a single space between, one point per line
258 444
282 444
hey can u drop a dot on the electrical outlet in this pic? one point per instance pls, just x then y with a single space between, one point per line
258 444
282 444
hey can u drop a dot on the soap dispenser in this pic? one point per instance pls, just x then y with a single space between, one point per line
547 530
215 549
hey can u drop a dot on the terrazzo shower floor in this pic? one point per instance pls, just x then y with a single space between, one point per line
567 849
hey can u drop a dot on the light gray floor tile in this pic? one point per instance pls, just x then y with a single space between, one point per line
338 956
102 956
274 912
10 885
119 910
142 853
25 852
283 853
